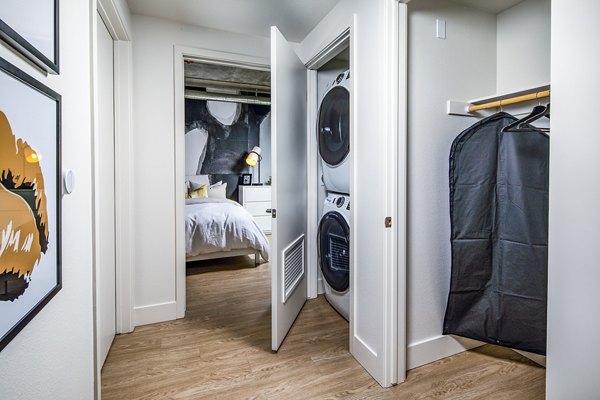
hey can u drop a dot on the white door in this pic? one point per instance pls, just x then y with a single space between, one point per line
289 192
105 196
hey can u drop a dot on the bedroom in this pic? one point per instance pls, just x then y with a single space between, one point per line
227 128
55 356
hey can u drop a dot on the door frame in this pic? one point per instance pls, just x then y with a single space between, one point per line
320 58
124 260
397 27
180 54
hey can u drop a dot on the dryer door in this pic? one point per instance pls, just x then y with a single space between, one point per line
334 250
334 126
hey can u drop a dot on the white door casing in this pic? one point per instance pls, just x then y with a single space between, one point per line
289 155
105 196
180 54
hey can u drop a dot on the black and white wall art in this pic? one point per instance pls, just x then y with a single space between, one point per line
30 271
219 136
31 27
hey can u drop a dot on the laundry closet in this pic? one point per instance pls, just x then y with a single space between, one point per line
317 169
412 78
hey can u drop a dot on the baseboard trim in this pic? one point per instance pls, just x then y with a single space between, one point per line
436 348
154 313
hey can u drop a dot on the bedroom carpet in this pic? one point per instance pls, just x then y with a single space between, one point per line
221 350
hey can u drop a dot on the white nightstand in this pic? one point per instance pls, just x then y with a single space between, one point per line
257 200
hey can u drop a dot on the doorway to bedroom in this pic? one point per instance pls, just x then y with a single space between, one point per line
227 218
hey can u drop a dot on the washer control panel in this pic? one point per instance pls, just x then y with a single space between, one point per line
339 201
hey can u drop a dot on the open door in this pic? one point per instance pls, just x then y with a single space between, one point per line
289 191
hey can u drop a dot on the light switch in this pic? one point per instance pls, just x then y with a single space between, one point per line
440 29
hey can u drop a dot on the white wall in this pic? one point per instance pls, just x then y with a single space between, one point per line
265 147
574 273
52 357
524 46
463 66
154 141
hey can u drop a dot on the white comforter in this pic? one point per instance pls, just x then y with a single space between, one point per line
213 225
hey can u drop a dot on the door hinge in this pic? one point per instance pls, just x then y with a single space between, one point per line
388 222
273 213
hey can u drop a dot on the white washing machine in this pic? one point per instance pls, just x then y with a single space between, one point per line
333 130
334 251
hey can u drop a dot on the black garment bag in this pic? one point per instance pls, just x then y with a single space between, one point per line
499 235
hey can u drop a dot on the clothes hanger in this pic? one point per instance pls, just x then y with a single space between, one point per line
533 118
538 112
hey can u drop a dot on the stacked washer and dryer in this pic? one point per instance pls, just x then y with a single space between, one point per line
333 130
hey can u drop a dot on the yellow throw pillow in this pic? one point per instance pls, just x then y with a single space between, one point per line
200 193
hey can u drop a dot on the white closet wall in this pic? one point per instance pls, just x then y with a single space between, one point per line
573 265
524 46
483 53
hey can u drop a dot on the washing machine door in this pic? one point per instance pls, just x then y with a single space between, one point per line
334 126
334 250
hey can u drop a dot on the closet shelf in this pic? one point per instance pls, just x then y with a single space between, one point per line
469 108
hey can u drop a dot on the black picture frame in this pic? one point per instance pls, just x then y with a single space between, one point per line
44 284
246 179
19 42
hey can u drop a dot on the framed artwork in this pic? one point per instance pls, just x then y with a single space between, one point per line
31 27
30 266
246 179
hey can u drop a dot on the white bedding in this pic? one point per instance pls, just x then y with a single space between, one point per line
213 225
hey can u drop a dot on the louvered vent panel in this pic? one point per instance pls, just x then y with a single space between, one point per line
293 266
340 253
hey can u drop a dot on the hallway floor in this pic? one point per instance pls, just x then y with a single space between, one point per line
222 350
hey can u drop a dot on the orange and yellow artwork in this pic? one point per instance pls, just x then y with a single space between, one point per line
24 233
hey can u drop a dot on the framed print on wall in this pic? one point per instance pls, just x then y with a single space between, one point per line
30 266
31 27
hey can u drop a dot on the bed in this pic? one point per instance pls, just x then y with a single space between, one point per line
217 227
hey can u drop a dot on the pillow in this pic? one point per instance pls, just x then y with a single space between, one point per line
195 181
218 191
200 193
215 184
196 185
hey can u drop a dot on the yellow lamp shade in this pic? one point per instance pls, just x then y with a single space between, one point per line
253 156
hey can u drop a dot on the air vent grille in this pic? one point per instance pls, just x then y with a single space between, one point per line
293 266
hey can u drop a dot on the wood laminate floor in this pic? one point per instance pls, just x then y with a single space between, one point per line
222 350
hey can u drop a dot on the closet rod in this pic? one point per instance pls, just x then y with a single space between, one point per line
510 100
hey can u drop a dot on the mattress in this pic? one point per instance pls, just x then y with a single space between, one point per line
216 225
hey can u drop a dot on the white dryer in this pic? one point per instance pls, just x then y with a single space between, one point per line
334 251
333 130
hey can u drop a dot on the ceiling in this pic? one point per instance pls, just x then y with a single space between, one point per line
296 18
223 76
494 6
